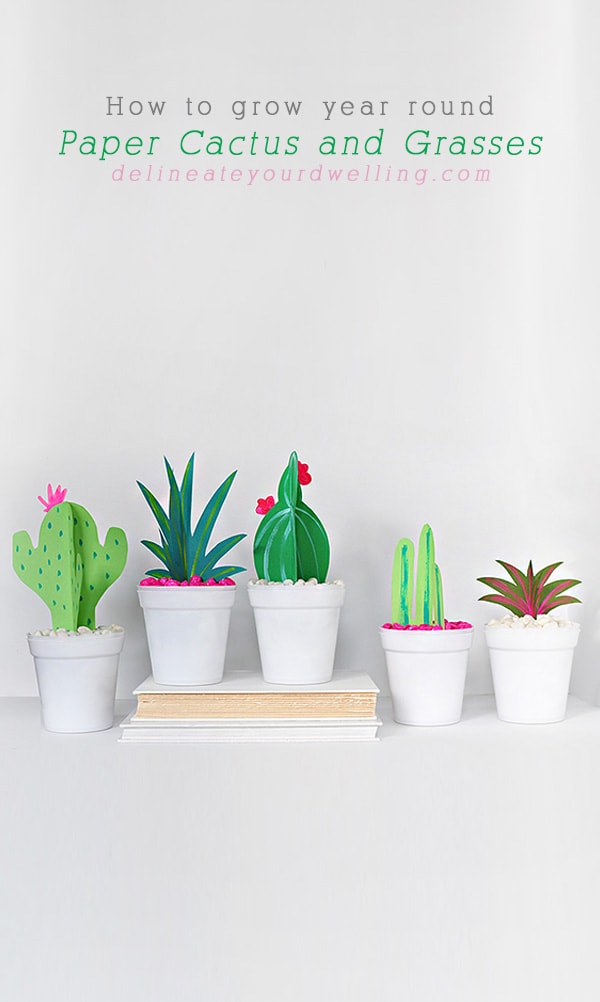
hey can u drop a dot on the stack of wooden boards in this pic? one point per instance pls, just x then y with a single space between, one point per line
243 707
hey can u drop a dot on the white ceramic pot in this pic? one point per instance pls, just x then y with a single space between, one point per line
531 669
187 631
427 670
77 678
297 627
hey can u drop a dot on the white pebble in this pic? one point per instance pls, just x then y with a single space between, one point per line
545 621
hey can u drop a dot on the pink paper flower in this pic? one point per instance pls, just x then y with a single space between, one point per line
54 497
304 476
263 505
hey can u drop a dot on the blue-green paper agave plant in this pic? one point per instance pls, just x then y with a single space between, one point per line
182 550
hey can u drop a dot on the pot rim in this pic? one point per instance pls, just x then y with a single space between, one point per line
82 645
77 636
507 638
193 597
321 596
186 588
426 641
295 586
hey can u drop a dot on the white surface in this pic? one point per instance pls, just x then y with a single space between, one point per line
458 864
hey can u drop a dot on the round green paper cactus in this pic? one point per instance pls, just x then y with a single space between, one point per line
291 542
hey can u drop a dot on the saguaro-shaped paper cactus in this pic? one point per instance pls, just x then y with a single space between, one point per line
69 569
421 603
291 542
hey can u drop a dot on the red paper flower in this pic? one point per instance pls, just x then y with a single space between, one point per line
304 476
263 505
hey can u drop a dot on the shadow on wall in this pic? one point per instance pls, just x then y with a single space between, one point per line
586 683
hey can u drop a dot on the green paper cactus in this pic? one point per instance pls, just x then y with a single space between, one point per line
291 543
423 603
101 565
185 551
69 568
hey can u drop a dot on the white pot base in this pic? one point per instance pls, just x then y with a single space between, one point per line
77 679
427 670
296 627
531 671
187 630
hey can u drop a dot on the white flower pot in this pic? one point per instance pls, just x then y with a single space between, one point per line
187 631
427 670
297 627
77 678
531 669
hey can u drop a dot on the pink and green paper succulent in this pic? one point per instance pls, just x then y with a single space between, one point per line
529 593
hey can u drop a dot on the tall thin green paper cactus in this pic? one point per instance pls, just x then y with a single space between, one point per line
69 568
291 543
421 603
